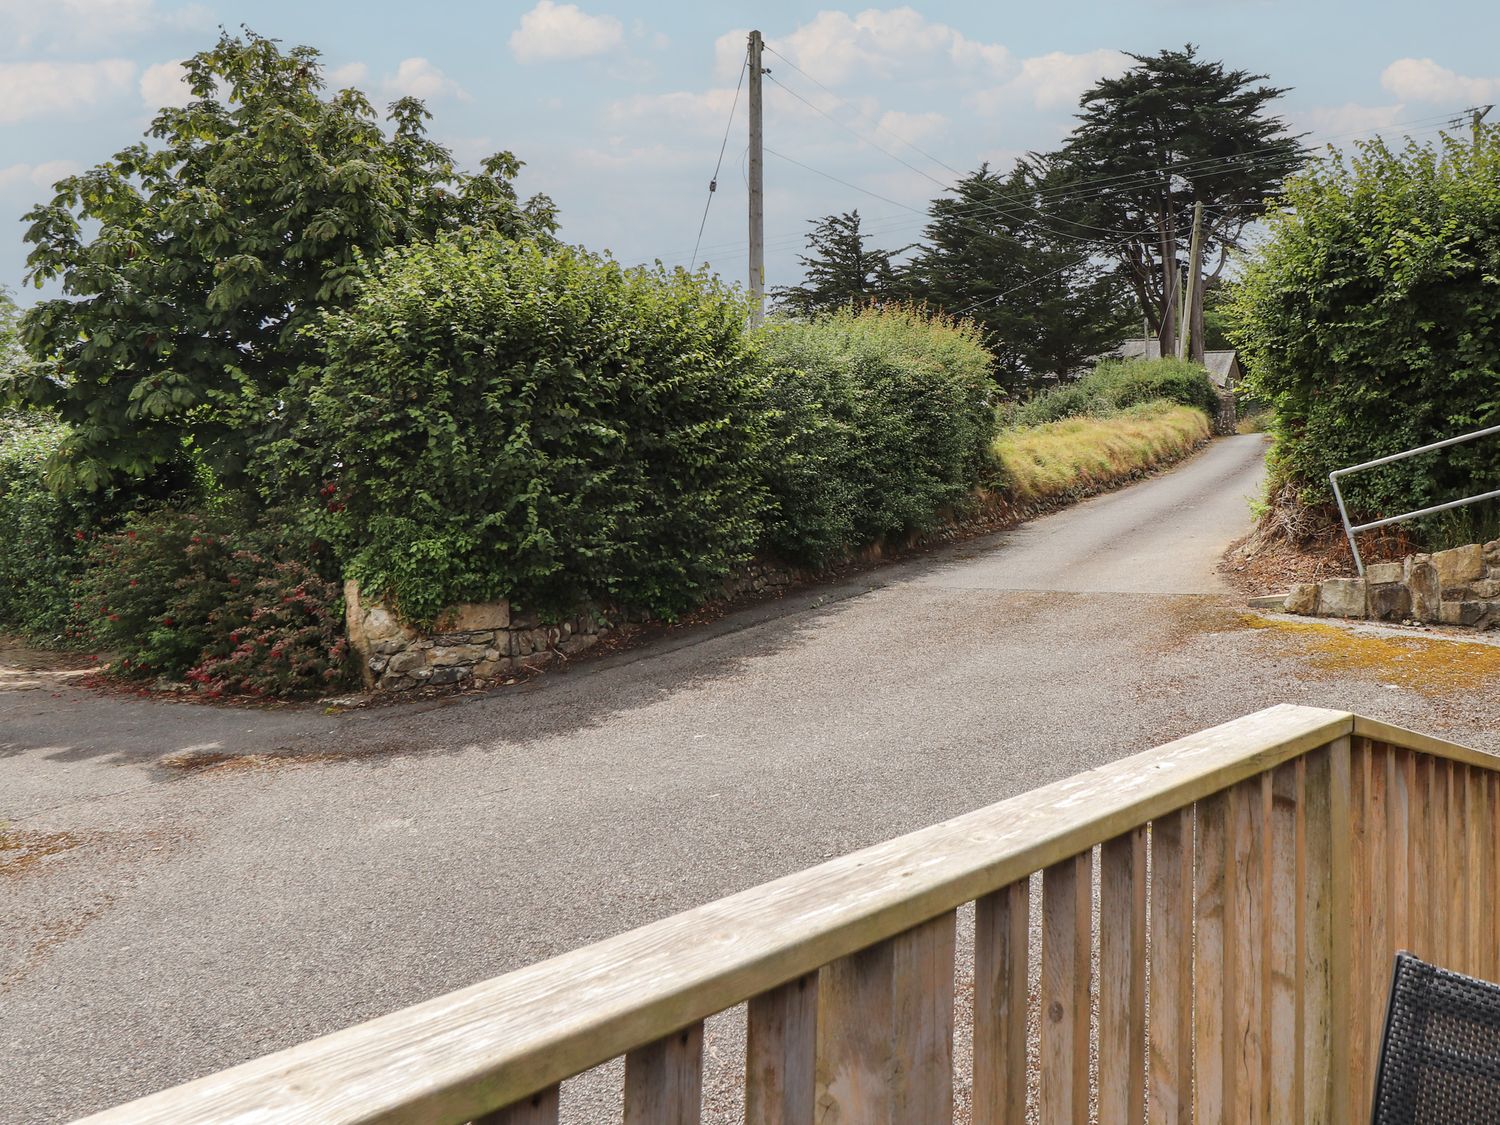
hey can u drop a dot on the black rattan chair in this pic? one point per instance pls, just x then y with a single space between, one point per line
1440 1055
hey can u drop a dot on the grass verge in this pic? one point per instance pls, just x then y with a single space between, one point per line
1044 462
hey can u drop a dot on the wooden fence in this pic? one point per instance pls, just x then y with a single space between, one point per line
1252 883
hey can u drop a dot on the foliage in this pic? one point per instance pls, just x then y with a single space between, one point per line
841 270
1173 130
994 253
881 419
1371 322
1114 385
1079 455
497 421
190 266
205 597
39 550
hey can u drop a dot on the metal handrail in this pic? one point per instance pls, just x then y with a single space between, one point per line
1349 531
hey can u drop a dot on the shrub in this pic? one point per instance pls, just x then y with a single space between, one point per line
881 419
1370 319
1117 384
496 421
202 596
40 550
1080 454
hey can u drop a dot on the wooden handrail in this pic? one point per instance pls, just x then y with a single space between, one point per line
500 1042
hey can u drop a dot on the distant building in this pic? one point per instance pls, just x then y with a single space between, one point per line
1223 369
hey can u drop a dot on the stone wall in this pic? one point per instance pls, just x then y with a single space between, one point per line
1457 587
480 644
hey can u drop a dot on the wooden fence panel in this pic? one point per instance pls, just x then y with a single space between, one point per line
1284 1058
1246 1076
1001 990
922 1022
1122 980
781 1055
1213 962
664 1080
541 1108
1067 944
1169 1085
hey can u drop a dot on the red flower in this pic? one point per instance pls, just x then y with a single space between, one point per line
167 621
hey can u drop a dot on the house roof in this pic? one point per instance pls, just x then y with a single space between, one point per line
1223 366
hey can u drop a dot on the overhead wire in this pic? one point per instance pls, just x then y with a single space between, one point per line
713 184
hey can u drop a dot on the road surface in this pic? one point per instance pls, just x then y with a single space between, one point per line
163 922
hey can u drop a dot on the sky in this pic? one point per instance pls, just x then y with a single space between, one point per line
619 110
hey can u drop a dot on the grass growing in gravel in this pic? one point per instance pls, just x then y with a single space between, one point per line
1084 453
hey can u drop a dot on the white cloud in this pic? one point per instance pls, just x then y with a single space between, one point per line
350 74
1341 122
1423 80
165 84
36 175
680 110
1051 81
914 127
836 47
43 89
74 26
418 78
563 31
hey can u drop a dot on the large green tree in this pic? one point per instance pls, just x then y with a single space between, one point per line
1046 301
1172 131
841 270
191 263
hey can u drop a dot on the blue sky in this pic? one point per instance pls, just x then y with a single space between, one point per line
618 109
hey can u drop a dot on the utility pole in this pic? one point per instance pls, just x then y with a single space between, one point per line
1189 342
1480 112
757 188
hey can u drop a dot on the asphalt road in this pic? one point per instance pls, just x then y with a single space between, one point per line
160 923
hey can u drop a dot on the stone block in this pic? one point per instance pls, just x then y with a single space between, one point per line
1391 602
525 620
448 656
450 675
1461 613
380 624
406 662
472 637
492 669
1460 565
1275 603
1383 574
1303 599
1486 588
1412 562
1342 597
577 643
1426 594
476 617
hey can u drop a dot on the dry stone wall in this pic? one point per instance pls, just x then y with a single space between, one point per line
1457 587
488 643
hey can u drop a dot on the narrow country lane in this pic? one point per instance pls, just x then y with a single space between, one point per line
161 922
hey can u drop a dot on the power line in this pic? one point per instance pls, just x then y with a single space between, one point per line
713 184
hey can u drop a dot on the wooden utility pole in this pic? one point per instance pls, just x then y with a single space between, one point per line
1189 337
1480 112
757 188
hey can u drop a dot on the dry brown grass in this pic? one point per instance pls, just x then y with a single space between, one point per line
1083 453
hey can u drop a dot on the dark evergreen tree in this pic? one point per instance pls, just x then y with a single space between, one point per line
1172 131
1046 302
842 269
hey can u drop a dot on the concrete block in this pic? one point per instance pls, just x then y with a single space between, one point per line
1342 597
1460 565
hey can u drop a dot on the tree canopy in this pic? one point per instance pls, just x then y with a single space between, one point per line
1042 297
1172 131
842 270
191 262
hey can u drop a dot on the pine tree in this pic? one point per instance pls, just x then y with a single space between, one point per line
841 270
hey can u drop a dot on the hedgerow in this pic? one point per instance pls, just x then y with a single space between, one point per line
499 421
1370 319
881 419
1114 385
40 550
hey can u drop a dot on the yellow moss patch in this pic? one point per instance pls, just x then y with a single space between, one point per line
1041 462
1432 666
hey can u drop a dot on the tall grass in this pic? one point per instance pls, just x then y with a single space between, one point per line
1081 454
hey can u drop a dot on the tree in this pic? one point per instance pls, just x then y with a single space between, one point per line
1371 321
841 270
191 267
1172 131
1044 300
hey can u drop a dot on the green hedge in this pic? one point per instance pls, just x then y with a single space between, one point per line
1370 319
40 549
1114 385
499 421
882 417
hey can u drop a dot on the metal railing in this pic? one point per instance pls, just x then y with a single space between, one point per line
1351 531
